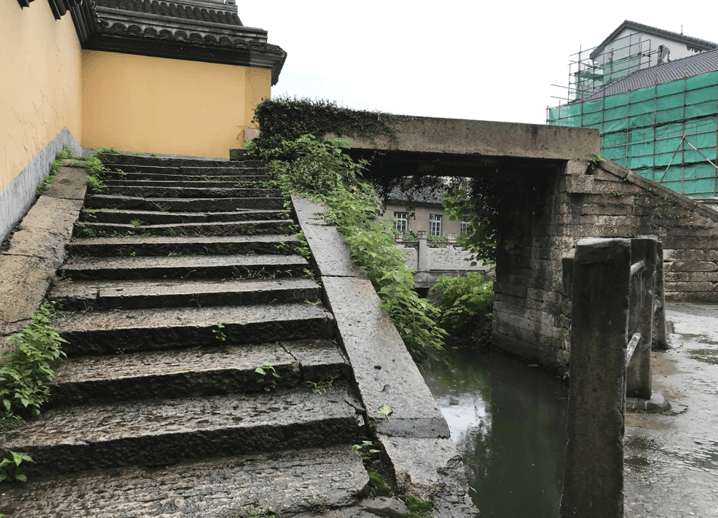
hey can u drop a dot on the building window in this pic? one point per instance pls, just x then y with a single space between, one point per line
434 224
401 222
464 228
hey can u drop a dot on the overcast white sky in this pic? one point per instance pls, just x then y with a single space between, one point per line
490 60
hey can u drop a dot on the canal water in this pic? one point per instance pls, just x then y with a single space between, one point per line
508 420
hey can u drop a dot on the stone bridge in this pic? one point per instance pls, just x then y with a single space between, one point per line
184 279
551 199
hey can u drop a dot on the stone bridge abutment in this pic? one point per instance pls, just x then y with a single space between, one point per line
550 193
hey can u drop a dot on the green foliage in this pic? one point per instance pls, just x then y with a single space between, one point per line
54 168
285 120
320 387
323 172
461 298
376 486
417 508
23 378
218 333
362 449
303 248
480 239
269 376
594 160
10 467
109 150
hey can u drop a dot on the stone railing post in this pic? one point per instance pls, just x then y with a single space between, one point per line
659 315
640 319
424 263
593 482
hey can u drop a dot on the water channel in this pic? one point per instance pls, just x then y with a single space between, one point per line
508 420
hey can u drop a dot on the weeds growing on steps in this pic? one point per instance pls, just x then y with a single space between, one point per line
91 163
24 378
323 172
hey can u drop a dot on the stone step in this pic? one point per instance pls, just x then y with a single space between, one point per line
233 267
105 295
195 372
171 190
181 245
159 178
110 159
134 330
282 483
91 229
107 201
148 217
159 432
208 170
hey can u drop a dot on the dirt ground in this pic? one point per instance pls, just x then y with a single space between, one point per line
671 461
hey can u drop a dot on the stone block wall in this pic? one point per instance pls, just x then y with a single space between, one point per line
532 308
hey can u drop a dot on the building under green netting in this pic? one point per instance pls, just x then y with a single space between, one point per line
666 132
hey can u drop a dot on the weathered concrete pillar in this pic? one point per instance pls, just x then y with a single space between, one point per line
640 300
593 480
424 261
659 305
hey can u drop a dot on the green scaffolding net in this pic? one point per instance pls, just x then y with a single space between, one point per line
666 133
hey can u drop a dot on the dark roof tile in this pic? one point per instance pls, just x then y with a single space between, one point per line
664 73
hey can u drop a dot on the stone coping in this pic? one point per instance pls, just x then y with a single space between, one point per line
37 249
385 374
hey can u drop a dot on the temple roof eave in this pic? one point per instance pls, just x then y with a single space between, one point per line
117 30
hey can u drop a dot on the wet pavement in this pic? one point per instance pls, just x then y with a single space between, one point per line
671 461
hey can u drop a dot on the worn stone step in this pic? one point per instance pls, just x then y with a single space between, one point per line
281 483
159 432
182 245
117 178
185 267
172 190
222 228
208 170
108 201
148 217
104 295
159 329
123 159
195 372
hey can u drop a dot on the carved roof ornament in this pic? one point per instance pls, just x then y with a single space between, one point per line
196 30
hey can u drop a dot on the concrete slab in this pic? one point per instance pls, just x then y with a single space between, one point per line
488 138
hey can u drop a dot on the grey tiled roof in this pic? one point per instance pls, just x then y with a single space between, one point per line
664 73
215 13
691 43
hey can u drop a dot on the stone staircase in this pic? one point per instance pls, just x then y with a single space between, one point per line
183 279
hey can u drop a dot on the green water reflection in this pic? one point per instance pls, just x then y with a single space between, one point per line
508 421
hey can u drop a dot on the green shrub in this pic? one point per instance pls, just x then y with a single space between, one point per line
323 172
461 298
23 378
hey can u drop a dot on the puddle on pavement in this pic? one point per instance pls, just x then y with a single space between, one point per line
508 421
705 355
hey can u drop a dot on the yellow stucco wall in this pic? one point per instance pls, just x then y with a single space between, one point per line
40 83
139 103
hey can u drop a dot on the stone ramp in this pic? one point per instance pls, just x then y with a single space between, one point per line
163 346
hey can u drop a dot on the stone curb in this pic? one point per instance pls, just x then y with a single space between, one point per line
37 249
415 436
